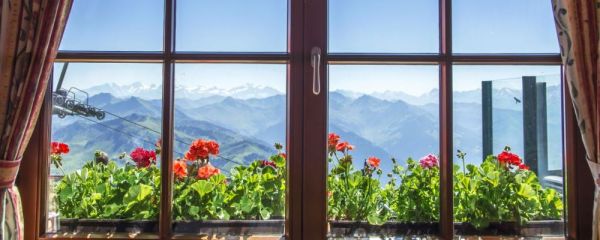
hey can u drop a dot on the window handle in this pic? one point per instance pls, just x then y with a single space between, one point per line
315 62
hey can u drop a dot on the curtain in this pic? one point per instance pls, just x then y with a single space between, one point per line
30 31
578 26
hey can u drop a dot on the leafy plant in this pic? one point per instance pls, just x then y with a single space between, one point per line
259 189
416 198
354 194
106 190
500 189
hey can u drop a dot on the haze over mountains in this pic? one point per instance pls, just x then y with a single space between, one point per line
247 120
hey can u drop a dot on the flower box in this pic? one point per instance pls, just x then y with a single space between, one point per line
108 225
336 228
390 229
230 228
209 227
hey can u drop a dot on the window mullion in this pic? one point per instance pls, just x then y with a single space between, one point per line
165 218
446 145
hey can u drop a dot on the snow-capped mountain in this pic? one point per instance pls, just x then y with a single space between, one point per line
154 91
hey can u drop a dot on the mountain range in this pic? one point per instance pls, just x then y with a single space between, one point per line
388 124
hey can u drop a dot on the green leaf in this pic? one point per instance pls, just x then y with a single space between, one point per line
526 191
202 187
245 204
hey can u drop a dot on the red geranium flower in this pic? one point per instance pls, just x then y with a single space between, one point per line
59 148
344 146
180 169
283 155
207 171
332 141
506 157
267 163
143 158
523 167
373 162
201 149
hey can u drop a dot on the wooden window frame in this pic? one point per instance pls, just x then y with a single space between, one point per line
306 215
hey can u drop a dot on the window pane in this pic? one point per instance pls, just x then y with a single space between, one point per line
383 148
383 26
105 147
114 25
232 25
510 26
230 162
508 122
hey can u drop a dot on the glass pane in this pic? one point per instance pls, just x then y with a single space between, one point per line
383 26
508 168
114 25
232 25
383 148
510 26
230 161
105 148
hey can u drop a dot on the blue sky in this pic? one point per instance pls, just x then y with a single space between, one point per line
380 26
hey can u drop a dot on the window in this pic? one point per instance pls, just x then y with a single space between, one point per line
336 119
512 113
241 107
105 141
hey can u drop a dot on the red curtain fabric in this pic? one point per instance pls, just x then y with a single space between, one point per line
30 32
578 26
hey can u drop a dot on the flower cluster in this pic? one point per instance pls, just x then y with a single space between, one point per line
59 148
332 141
508 159
143 158
267 163
201 149
344 146
197 165
373 162
180 169
333 144
207 171
429 161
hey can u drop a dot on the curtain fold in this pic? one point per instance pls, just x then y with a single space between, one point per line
30 32
577 26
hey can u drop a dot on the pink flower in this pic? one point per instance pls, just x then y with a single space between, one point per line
429 161
143 158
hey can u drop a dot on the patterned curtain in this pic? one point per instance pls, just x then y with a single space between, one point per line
578 26
30 31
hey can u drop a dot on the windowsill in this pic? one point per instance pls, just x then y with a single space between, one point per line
550 229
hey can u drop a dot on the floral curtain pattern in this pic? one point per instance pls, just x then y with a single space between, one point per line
30 31
578 26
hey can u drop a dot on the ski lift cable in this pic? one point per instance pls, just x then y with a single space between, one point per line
119 131
131 135
180 141
140 125
62 75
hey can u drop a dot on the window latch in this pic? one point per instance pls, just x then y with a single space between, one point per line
315 62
